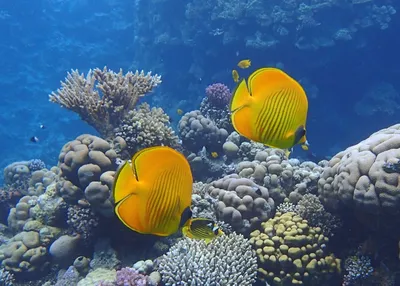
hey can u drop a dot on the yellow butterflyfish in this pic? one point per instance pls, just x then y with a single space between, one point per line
152 194
270 108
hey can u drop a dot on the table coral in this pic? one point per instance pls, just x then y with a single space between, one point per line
227 260
290 252
103 97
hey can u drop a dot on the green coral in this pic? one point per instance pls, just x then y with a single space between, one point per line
291 252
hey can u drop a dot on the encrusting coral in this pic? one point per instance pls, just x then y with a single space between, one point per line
103 97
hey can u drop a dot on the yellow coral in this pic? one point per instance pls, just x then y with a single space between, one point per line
290 251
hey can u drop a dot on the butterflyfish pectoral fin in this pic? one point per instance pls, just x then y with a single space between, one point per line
128 212
125 182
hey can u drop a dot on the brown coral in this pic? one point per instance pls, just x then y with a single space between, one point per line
358 178
103 97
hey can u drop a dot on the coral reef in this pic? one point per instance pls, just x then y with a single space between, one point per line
311 209
84 159
357 179
227 260
83 221
242 203
358 268
284 178
25 253
219 115
130 277
291 252
99 276
144 127
6 278
198 131
103 97
218 95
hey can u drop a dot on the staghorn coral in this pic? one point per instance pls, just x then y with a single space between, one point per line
291 252
103 97
227 260
357 179
145 127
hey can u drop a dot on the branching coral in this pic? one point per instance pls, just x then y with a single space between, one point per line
227 260
103 97
145 127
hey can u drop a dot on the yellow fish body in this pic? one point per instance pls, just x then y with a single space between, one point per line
202 228
153 194
235 75
270 108
179 111
244 64
214 155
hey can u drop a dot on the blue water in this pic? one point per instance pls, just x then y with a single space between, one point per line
42 40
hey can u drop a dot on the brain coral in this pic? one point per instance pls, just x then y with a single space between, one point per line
227 260
242 203
290 252
364 177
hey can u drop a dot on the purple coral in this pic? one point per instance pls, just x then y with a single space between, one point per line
36 164
131 277
218 95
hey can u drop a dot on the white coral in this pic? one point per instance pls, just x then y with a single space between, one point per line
228 260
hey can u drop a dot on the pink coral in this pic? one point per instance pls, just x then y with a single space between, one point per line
218 95
131 277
